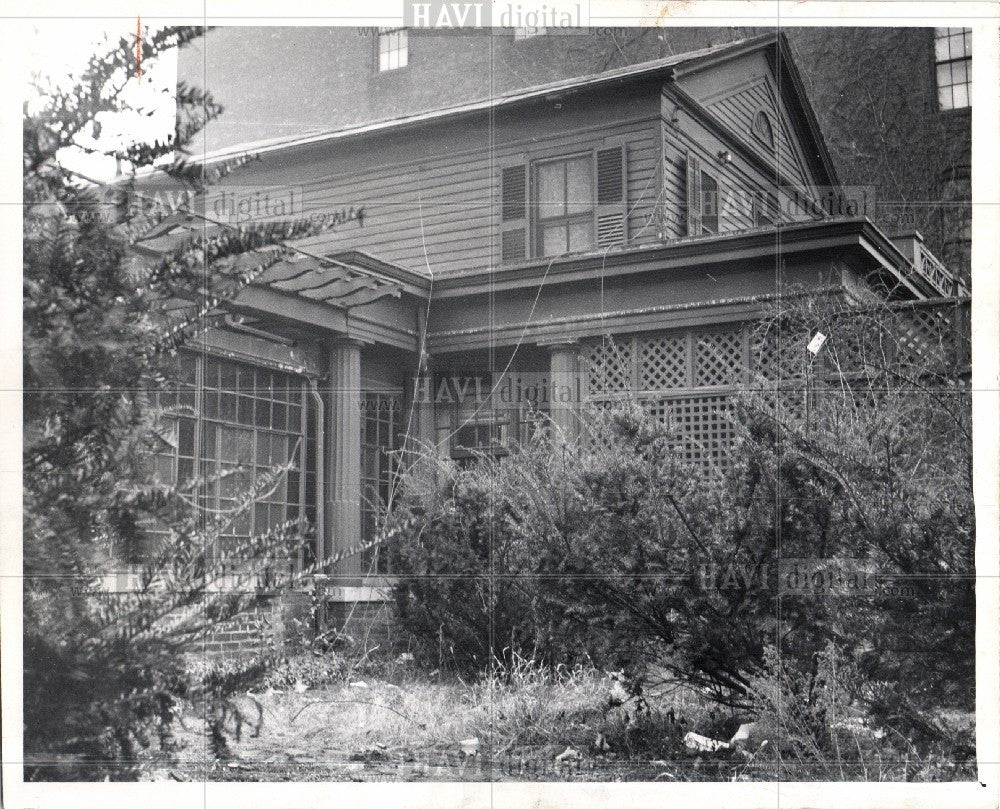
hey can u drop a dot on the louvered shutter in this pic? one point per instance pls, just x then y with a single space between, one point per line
693 196
611 197
513 213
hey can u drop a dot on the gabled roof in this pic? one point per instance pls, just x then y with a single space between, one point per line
789 79
667 67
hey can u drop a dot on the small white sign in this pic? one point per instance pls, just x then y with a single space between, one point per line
816 343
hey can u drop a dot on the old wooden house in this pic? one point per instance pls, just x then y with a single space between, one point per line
530 252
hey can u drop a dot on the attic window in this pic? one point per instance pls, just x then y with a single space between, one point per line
393 49
762 129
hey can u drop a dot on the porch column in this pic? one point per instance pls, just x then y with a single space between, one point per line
343 441
564 377
425 427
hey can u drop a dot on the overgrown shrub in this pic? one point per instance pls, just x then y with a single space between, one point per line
103 670
620 551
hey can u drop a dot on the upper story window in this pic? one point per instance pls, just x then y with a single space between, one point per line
393 49
702 199
565 206
575 203
709 203
765 209
528 32
953 62
763 129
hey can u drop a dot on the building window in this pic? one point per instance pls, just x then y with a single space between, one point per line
393 49
528 32
709 203
762 129
379 466
231 424
564 196
765 209
953 62
485 432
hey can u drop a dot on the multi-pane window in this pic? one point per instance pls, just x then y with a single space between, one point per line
528 31
379 465
709 203
393 49
236 425
953 63
564 205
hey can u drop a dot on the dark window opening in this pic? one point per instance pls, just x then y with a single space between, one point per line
709 204
765 209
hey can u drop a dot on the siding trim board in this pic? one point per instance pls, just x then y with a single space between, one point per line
652 318
718 249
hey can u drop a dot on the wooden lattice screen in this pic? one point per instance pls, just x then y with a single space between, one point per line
683 378
687 377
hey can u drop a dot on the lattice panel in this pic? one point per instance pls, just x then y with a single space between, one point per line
718 358
663 362
773 357
609 367
704 432
925 339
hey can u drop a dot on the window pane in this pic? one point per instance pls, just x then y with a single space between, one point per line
227 406
279 449
185 439
960 96
554 240
941 48
581 236
404 48
211 404
710 207
578 186
230 376
262 415
245 412
551 190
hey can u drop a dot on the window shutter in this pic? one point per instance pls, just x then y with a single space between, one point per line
513 213
611 196
693 195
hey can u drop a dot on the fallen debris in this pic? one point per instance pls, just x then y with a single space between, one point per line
703 744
